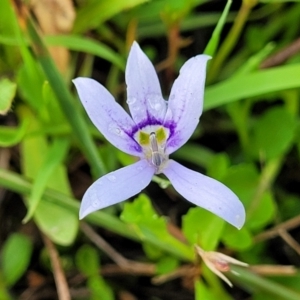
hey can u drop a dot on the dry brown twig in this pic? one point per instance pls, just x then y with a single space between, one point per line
125 264
274 270
281 56
274 232
59 275
290 240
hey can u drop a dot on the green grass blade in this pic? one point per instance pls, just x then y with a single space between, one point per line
249 279
251 85
87 45
213 43
67 102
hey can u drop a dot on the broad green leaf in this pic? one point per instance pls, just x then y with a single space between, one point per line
7 94
213 43
87 45
252 84
237 239
273 133
10 136
203 228
15 257
56 153
87 260
59 223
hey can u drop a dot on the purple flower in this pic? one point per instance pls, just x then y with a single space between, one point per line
155 129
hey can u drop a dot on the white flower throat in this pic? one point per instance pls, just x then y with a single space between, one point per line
153 141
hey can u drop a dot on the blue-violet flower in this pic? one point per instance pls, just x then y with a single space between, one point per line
155 129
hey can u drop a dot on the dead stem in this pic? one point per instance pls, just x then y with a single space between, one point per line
273 270
274 232
289 240
124 263
183 271
59 275
282 56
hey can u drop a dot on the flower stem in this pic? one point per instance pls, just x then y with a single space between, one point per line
231 39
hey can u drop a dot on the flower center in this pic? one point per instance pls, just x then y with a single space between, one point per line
156 156
153 141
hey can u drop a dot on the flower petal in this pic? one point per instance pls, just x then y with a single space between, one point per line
206 192
186 101
116 186
144 95
107 115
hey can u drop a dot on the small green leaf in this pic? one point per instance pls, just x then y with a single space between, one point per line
15 257
152 252
87 260
57 222
7 93
203 228
100 289
263 213
237 239
243 179
148 225
166 264
140 212
10 136
273 133
203 292
56 153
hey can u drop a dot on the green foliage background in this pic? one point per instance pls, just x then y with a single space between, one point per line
248 138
